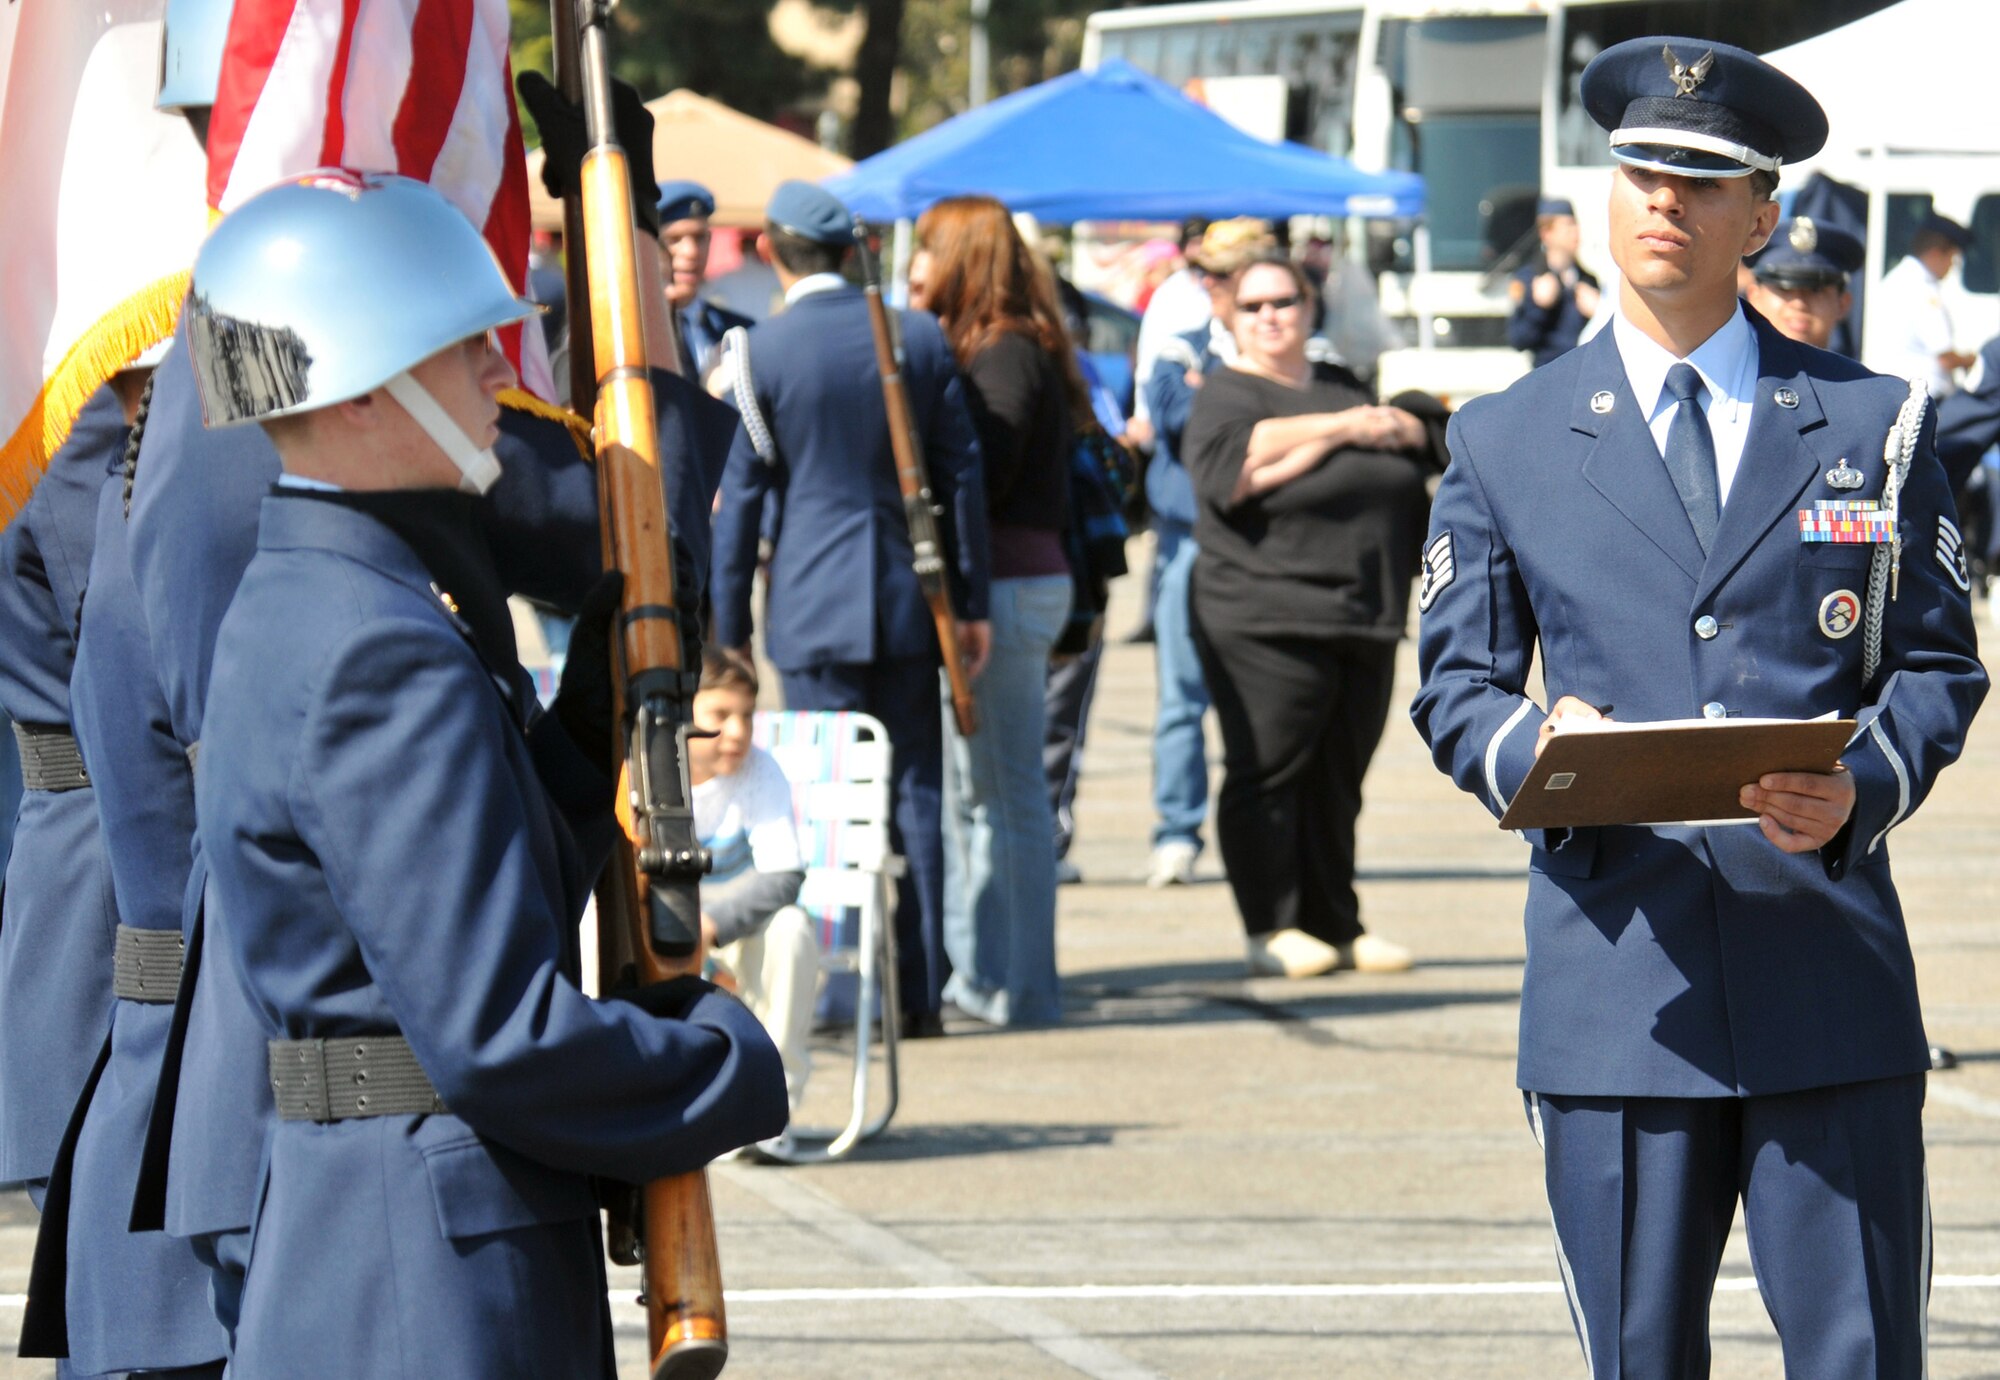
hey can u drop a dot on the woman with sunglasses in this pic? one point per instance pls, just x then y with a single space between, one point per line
1310 505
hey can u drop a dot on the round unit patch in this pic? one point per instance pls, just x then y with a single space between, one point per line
1839 613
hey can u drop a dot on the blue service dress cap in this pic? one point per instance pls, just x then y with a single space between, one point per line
811 212
684 200
1700 109
1555 206
1805 253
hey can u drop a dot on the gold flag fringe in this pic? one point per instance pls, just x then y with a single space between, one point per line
117 338
521 400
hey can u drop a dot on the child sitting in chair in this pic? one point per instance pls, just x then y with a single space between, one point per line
743 816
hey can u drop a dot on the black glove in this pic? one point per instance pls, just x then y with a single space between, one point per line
565 140
583 699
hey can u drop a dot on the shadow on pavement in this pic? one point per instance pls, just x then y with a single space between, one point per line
918 1142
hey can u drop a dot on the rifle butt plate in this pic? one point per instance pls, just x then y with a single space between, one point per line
695 1358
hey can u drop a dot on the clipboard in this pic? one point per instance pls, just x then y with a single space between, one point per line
1677 771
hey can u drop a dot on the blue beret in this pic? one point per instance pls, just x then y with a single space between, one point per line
1946 226
1804 253
1700 109
811 212
1555 206
684 201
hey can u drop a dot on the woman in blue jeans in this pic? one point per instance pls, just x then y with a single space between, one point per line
999 311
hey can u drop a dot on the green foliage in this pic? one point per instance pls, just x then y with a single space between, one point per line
723 49
1027 41
720 48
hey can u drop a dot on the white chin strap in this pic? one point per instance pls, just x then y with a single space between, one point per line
478 469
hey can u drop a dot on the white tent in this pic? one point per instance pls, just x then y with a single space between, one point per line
1908 97
1915 78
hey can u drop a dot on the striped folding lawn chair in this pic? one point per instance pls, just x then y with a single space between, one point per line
838 765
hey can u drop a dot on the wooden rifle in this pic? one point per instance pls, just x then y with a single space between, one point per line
920 509
648 900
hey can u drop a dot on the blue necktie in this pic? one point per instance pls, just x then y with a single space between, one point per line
696 342
1690 454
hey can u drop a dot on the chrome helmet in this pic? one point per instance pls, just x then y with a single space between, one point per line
333 284
191 57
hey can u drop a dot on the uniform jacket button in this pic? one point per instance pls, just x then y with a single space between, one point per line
1714 710
1705 627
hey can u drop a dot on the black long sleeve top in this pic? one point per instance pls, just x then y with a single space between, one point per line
1330 554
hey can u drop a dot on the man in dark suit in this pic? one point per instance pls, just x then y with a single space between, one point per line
684 209
1712 1013
845 622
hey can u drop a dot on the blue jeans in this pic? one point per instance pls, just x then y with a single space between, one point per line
1000 862
1180 750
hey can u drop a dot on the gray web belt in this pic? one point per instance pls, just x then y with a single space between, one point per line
338 1080
50 760
146 965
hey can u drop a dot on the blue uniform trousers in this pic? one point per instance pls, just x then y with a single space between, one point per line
903 694
1180 746
1643 1191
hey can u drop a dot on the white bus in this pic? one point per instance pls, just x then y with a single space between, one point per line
1479 96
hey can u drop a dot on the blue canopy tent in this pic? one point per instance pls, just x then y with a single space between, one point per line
1115 144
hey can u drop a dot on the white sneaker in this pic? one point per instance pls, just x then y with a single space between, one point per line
1290 954
1173 864
1370 953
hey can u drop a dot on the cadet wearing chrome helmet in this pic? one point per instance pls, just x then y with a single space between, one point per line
401 843
89 945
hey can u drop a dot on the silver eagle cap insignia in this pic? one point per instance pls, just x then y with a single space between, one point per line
1686 79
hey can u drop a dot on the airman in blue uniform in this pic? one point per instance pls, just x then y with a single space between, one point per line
1969 420
684 209
845 622
1554 296
444 1091
193 530
57 914
136 1302
1801 280
111 1299
1730 1012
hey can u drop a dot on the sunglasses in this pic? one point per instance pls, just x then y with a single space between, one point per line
1275 303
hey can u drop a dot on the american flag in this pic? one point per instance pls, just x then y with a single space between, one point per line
419 87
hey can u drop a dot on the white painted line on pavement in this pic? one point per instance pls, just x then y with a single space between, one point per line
1082 1293
806 1204
1961 1099
1088 1292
